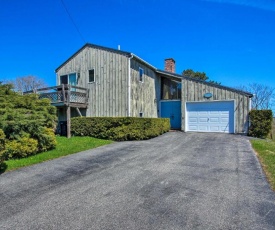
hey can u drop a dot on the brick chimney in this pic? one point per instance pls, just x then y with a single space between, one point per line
170 65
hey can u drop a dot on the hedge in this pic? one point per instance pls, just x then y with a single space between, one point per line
119 128
260 123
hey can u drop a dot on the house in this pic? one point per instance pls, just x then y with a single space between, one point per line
106 82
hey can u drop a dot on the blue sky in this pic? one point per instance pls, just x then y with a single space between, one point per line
232 41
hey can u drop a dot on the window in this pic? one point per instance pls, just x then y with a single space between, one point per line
141 71
170 89
141 114
91 75
64 79
69 79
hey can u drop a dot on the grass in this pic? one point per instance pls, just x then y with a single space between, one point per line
64 147
266 154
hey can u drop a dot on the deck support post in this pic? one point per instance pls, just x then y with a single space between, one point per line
68 121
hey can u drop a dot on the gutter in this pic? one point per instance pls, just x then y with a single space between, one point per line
129 85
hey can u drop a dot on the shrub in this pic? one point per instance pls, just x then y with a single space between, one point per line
46 139
119 128
2 146
26 117
23 147
260 123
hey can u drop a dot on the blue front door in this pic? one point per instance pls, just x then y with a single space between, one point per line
172 110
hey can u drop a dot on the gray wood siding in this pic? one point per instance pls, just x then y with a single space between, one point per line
144 95
108 94
194 91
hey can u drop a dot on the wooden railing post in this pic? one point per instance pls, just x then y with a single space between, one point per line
63 93
69 94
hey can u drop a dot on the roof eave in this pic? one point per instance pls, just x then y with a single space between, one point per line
144 62
92 46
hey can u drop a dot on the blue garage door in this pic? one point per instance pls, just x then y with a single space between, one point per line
172 110
215 116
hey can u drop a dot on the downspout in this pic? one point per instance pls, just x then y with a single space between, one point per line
129 85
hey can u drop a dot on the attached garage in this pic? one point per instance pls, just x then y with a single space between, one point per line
210 116
208 107
205 106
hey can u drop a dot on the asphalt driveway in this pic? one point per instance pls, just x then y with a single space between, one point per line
175 181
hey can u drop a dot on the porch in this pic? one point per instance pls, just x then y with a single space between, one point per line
65 96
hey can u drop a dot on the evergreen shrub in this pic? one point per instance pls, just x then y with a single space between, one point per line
27 122
119 128
260 123
23 147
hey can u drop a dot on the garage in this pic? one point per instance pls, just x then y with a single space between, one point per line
205 106
210 116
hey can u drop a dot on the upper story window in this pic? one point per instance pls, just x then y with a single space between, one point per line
141 73
64 79
69 79
91 75
170 89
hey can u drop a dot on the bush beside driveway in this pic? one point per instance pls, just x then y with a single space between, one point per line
175 181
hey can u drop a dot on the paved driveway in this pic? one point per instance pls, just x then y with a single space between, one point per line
175 181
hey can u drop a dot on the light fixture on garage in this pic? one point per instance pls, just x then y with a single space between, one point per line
207 95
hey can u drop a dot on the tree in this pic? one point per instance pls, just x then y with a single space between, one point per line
198 75
263 95
27 83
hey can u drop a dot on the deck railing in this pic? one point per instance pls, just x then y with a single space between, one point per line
64 94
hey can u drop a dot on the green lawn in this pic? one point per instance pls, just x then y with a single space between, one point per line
266 154
64 147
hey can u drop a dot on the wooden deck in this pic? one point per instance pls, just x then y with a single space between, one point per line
65 95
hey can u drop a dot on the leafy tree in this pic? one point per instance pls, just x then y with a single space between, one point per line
27 121
27 83
198 75
263 95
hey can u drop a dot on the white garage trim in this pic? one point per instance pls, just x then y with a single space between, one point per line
210 116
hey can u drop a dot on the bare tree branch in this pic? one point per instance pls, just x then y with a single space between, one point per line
263 95
27 83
